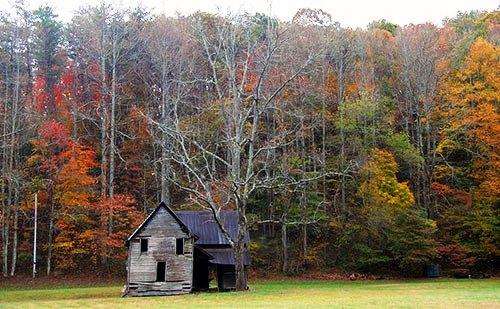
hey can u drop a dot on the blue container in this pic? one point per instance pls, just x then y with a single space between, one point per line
433 270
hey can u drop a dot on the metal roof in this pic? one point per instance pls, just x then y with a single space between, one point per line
225 256
203 225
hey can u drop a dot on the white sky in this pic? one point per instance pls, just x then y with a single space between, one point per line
351 13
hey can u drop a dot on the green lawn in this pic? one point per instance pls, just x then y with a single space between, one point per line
279 294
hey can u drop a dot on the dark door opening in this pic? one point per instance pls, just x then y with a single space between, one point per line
201 280
160 271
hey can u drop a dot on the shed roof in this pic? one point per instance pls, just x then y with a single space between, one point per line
202 224
225 256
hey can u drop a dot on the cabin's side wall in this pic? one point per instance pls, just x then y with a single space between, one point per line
161 231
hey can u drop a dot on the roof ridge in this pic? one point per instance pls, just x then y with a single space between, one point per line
183 226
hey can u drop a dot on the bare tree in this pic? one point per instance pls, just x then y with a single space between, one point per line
15 80
228 164
418 54
343 51
168 49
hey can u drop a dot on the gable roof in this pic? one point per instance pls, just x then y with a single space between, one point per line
153 213
202 223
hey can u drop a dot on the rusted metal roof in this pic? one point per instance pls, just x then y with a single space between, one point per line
203 225
225 256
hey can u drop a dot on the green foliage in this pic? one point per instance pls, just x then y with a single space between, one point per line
366 119
470 26
403 150
370 259
411 241
49 36
398 234
384 25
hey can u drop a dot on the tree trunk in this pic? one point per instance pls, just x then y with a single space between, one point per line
51 229
15 227
13 164
103 116
165 170
284 245
75 115
239 250
5 202
5 236
112 128
165 116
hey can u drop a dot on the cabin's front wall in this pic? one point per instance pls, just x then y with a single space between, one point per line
161 231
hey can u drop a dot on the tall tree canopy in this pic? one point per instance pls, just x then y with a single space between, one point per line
371 150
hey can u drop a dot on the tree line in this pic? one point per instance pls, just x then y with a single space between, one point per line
371 150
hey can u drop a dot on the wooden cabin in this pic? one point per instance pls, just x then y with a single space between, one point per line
179 252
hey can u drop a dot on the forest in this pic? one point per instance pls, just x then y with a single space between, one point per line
371 150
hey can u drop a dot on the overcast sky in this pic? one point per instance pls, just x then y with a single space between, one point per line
351 13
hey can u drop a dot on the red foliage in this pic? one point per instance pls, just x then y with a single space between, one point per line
39 93
452 195
455 259
54 133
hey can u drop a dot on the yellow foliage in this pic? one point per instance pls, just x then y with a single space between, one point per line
473 97
380 188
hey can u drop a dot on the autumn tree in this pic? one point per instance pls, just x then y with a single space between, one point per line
48 37
468 172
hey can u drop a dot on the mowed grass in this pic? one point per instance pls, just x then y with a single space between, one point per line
442 293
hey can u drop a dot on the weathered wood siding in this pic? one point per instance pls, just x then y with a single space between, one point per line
161 231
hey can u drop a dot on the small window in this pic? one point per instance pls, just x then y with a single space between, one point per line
179 246
144 245
160 271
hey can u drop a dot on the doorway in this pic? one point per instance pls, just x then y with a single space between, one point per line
160 271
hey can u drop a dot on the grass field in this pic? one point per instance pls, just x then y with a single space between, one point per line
278 294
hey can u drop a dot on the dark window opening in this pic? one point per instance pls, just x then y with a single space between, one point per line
179 246
160 272
144 245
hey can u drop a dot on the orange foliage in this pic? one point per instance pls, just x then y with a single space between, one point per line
331 86
117 219
74 184
474 93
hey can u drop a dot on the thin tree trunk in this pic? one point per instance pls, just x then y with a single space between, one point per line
75 115
112 128
284 245
35 231
103 116
165 170
51 229
13 159
5 174
165 162
15 227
